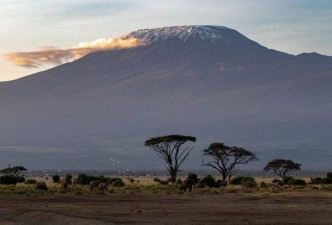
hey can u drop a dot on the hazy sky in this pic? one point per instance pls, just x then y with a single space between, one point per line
292 26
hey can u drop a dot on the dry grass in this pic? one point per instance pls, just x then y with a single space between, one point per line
146 185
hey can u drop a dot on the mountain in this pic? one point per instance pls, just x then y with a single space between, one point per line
207 81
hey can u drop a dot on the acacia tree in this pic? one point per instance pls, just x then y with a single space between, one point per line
13 171
281 167
226 159
169 149
12 175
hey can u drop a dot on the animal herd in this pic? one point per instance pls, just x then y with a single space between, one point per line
65 185
66 182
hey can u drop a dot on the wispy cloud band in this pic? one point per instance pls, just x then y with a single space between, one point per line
56 56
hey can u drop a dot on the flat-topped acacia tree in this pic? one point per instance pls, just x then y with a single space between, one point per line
281 167
169 148
225 159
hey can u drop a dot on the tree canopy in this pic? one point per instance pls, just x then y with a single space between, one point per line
14 171
225 158
281 167
169 149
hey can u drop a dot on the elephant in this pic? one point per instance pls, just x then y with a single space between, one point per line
102 187
188 184
40 185
94 184
65 183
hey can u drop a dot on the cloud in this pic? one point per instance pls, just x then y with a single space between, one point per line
56 56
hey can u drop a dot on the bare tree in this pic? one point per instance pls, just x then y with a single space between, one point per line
225 159
281 167
169 149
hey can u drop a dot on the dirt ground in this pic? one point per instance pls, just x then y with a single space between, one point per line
294 208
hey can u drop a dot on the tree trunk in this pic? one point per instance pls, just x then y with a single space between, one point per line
224 177
173 174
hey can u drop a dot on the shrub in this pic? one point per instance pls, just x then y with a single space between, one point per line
7 179
208 181
319 180
329 178
287 179
236 181
316 180
299 182
56 178
329 175
30 181
83 179
118 183
20 179
248 182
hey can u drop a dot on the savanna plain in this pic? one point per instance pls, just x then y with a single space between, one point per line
144 201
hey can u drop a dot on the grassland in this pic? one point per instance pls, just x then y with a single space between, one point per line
143 201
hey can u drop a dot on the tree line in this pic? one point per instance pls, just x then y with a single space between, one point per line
225 159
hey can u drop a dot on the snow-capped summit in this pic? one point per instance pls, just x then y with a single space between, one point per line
184 33
207 81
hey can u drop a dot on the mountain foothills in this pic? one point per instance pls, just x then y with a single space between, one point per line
210 82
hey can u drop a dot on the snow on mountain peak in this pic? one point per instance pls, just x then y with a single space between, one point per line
181 32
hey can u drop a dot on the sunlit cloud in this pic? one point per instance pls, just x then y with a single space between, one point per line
56 56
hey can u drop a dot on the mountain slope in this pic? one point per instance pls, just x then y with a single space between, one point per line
207 81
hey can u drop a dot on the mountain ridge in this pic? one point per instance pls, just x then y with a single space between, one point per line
245 94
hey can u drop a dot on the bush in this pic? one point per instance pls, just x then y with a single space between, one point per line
56 178
30 181
316 180
329 178
10 179
329 175
241 180
319 180
248 182
236 181
287 179
208 181
83 179
118 183
299 182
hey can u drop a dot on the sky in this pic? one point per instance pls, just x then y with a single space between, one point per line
76 27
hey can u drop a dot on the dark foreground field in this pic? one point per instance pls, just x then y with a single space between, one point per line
190 208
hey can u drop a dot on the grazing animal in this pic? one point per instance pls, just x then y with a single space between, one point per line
65 183
102 187
40 185
94 184
188 184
